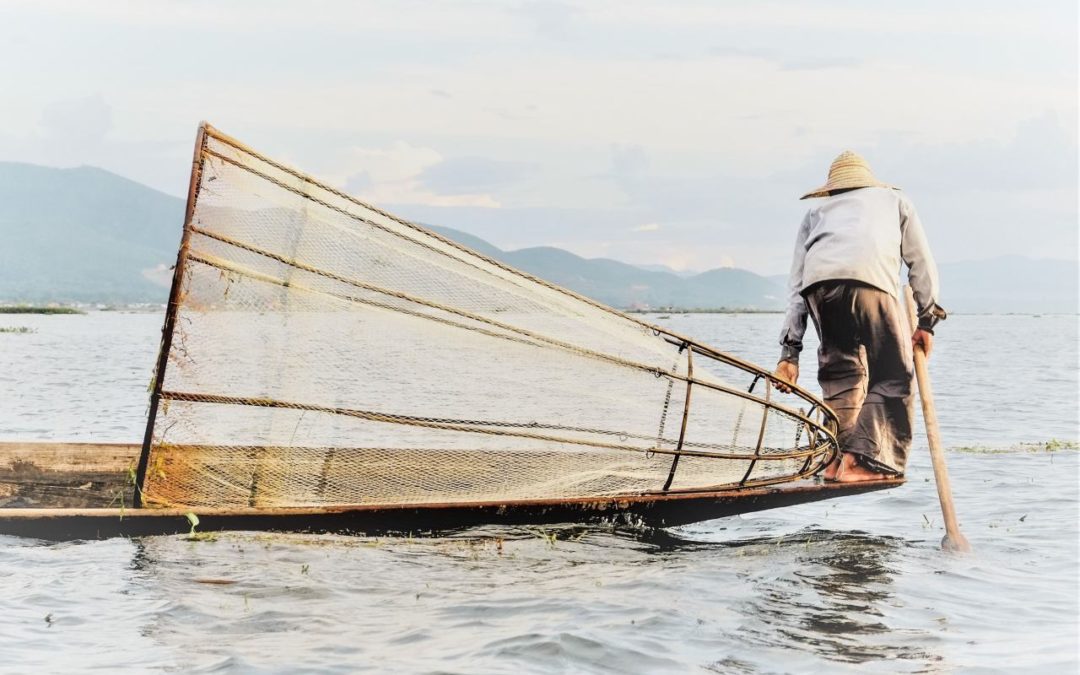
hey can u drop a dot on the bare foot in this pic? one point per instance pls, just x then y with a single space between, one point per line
832 469
853 472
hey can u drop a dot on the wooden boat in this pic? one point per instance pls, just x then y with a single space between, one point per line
64 491
328 366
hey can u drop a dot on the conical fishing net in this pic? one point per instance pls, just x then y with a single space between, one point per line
319 351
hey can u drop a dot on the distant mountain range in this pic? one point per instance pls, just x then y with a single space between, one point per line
670 270
87 235
83 235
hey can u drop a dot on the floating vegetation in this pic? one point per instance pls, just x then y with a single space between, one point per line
17 330
31 309
198 536
553 536
1052 445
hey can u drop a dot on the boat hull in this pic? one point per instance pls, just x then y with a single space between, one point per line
55 477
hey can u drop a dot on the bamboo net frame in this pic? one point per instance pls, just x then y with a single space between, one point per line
312 341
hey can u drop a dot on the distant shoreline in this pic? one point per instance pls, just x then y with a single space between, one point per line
702 310
37 309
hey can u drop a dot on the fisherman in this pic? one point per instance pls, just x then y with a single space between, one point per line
845 275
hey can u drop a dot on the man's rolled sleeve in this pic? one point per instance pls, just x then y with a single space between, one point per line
930 319
790 353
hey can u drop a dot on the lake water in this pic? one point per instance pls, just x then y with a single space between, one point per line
847 585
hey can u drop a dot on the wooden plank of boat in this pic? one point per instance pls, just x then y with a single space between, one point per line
66 475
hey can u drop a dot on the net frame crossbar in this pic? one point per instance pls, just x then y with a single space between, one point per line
819 422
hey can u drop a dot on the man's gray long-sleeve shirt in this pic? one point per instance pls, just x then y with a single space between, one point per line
860 235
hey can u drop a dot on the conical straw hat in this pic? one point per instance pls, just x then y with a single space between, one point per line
848 171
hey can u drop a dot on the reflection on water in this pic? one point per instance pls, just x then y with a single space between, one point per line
836 604
824 593
832 600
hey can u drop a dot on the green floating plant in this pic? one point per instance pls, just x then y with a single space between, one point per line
198 536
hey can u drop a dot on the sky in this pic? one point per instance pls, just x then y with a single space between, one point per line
678 133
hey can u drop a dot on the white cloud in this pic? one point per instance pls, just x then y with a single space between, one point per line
393 175
399 162
334 16
562 101
84 120
470 17
842 17
647 227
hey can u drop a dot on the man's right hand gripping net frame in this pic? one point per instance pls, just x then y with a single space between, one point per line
319 351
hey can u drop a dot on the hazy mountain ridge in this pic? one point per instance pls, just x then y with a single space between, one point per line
623 285
669 269
83 235
87 235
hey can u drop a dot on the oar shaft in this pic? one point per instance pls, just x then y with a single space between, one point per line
953 538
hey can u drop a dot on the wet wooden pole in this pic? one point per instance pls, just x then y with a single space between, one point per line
953 540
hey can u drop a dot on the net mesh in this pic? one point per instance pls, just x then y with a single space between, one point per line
323 352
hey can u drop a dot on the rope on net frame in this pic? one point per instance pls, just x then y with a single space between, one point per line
471 426
226 266
673 376
527 334
686 415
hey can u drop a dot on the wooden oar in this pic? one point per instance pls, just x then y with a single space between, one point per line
954 540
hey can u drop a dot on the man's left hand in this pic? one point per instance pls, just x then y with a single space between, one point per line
923 340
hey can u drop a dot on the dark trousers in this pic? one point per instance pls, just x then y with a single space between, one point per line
865 370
